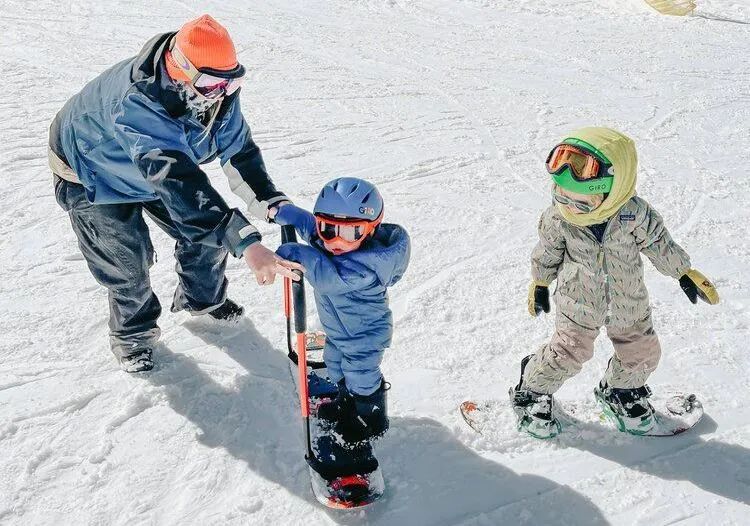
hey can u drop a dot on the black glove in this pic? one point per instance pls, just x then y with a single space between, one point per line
538 301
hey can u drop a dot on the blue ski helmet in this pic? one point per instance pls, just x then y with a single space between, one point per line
350 197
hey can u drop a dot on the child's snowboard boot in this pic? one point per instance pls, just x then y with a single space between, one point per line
363 417
629 408
330 410
535 411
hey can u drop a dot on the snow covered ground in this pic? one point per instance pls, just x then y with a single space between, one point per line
450 106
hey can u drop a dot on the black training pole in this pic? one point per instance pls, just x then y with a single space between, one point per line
294 294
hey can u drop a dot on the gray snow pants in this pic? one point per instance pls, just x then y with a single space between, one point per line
637 353
115 242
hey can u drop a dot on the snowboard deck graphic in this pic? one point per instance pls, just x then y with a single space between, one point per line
349 492
674 415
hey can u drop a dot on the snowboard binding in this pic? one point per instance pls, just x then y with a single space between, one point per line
629 409
534 411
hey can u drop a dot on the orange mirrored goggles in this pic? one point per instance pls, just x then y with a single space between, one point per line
350 231
583 164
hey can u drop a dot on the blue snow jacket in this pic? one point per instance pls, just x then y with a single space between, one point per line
350 289
129 137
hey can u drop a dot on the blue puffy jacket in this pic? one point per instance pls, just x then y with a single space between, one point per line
350 289
129 137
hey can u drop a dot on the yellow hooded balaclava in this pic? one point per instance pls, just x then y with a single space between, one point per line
619 149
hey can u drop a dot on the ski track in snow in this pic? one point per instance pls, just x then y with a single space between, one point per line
450 106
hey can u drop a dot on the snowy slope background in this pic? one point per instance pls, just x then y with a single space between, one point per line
449 106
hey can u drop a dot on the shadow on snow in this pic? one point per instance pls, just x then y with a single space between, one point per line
714 466
431 478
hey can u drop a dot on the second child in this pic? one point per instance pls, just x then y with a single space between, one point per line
590 242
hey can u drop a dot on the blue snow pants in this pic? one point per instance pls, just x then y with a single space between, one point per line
359 369
115 243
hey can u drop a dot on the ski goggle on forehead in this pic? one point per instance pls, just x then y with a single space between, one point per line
346 230
210 83
579 170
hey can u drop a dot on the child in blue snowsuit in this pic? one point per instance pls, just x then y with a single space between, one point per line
350 261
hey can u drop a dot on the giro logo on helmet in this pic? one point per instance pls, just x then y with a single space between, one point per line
597 187
367 210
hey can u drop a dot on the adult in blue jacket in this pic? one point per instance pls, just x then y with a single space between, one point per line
132 141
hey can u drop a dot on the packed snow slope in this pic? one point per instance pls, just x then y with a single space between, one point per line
450 107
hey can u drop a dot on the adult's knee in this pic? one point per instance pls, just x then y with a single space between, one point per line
189 254
122 270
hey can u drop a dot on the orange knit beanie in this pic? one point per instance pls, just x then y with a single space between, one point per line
206 44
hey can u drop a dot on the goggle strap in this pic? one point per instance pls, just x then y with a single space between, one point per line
181 60
193 72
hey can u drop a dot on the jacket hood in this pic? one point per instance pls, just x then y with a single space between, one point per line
387 253
621 152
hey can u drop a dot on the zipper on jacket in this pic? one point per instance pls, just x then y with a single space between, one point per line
336 315
602 260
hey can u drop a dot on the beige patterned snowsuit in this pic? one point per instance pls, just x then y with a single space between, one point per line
601 284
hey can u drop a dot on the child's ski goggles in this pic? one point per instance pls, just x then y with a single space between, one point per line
210 83
580 170
346 230
568 201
